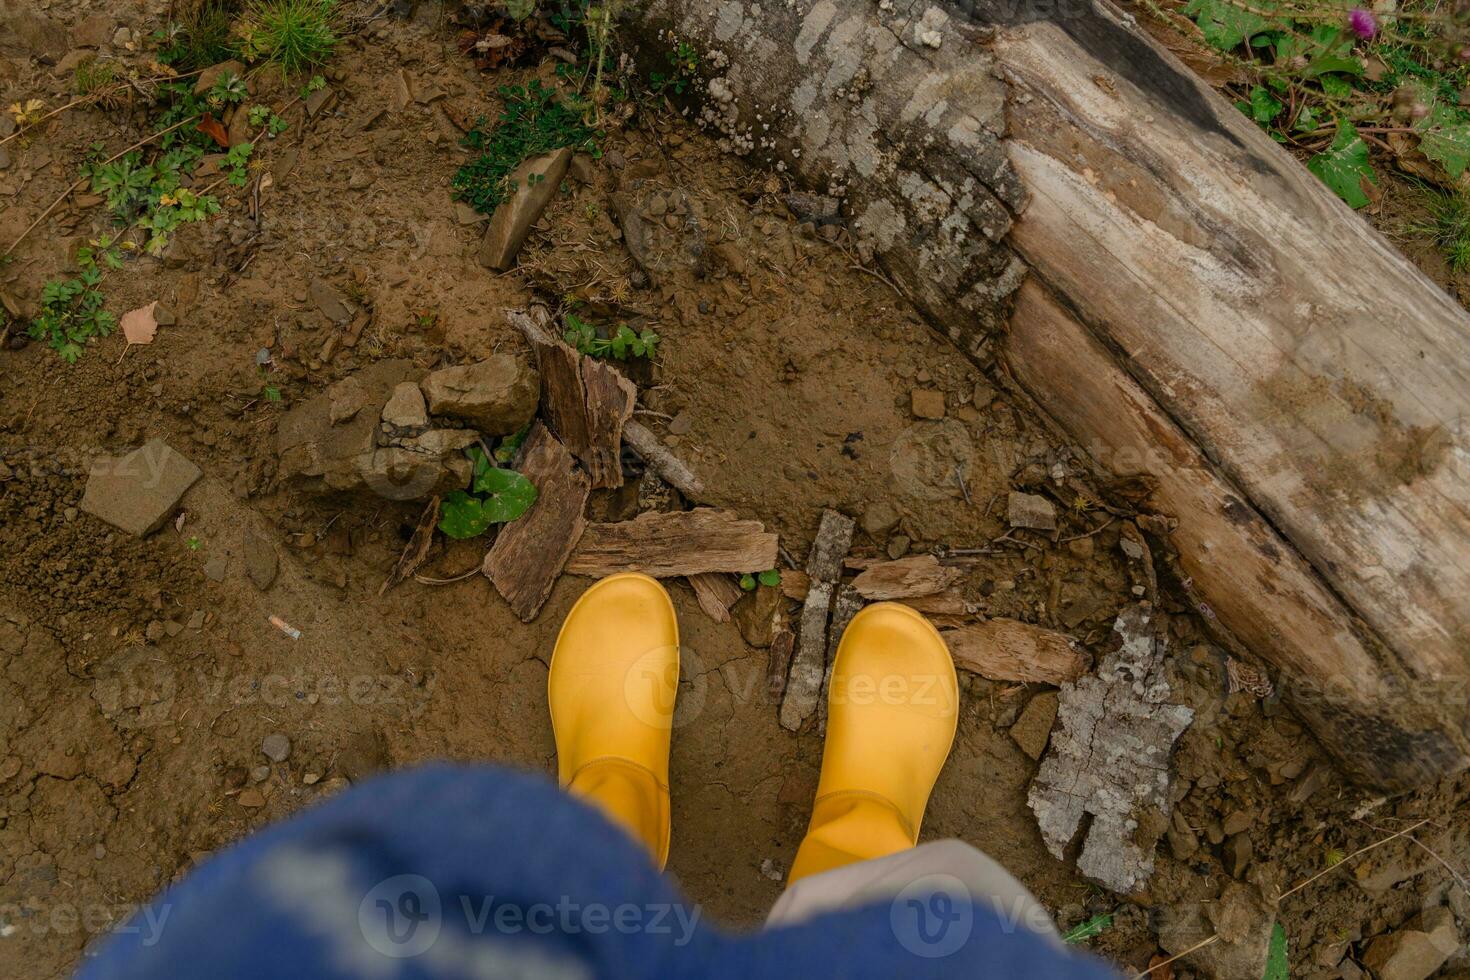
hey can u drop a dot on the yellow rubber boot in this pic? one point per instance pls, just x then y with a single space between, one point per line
614 675
892 708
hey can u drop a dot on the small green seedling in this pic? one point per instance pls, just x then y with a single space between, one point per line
583 336
1089 928
237 164
495 497
195 544
771 577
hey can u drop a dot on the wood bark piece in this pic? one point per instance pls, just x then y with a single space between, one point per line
585 401
530 552
1321 381
905 578
1336 674
716 592
1109 760
664 463
809 666
667 545
778 663
417 548
847 602
1008 650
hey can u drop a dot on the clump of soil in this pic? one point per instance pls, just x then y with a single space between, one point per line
146 688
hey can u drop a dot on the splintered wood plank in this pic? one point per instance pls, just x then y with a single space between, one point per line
668 467
716 592
905 578
584 400
609 404
1007 650
529 552
666 545
1109 761
809 666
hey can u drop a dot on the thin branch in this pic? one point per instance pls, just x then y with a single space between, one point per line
1197 946
1362 850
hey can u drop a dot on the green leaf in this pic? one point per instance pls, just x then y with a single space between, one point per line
463 516
1264 106
1444 137
1223 24
1344 165
747 582
1276 965
1335 86
510 494
771 577
1094 926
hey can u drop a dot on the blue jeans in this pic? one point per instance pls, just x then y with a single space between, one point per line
459 871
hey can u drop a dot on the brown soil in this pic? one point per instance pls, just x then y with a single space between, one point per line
125 741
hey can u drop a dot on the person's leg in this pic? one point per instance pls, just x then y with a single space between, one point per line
893 707
611 687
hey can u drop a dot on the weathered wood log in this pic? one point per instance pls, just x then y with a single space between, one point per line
664 463
667 545
529 552
1007 650
809 665
905 578
1243 318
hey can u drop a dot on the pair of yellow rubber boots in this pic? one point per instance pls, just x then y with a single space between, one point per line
892 710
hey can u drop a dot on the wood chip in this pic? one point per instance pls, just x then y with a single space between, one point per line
1007 650
778 663
664 463
809 667
794 584
417 548
906 578
716 593
1109 760
530 552
585 401
666 545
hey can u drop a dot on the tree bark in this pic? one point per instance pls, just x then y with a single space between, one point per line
1203 310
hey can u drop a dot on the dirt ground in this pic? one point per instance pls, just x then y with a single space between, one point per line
138 678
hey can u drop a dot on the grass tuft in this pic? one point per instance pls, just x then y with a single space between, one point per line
534 121
295 34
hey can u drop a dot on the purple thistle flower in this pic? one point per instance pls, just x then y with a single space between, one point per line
1363 23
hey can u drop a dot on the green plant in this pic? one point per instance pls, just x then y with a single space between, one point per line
506 451
1089 928
95 80
237 164
200 38
1277 967
534 121
150 195
683 68
771 577
294 34
583 336
495 496
313 84
1448 226
1346 86
264 116
72 309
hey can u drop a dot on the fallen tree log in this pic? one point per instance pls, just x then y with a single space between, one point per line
1297 389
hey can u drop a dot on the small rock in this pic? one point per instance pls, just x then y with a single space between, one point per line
335 785
214 73
755 615
319 101
536 182
154 631
137 492
363 754
1183 841
771 871
310 778
1239 852
251 799
259 774
329 301
1238 821
581 169
276 747
1417 950
406 408
927 403
1081 547
122 37
172 627
215 568
261 562
92 32
1031 510
359 181
983 395
464 214
879 518
898 546
816 208
1032 729
235 777
1239 918
196 620
497 395
680 424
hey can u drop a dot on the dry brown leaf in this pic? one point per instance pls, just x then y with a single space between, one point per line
139 325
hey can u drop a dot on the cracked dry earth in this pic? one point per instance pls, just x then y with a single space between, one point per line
139 678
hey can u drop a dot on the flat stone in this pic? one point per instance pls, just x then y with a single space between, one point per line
276 747
261 562
214 73
535 182
1032 729
464 214
137 492
1032 511
251 799
879 518
406 408
819 209
755 615
92 32
215 568
1416 951
497 395
926 403
319 101
325 298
